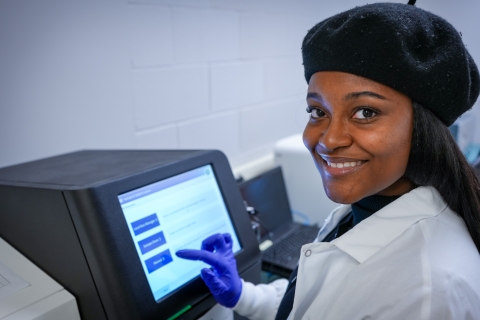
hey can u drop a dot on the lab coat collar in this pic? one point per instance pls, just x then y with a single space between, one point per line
333 220
377 231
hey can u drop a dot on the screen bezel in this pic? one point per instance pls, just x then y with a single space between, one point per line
111 253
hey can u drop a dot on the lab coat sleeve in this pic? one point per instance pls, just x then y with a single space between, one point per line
261 302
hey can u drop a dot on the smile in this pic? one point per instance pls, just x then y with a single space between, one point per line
344 164
337 167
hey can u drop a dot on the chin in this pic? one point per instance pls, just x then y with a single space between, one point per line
341 196
341 199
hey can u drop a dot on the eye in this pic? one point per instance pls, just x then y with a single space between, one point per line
364 113
315 113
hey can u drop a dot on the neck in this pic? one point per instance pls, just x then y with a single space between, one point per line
398 188
364 208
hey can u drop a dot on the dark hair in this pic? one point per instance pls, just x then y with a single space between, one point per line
436 160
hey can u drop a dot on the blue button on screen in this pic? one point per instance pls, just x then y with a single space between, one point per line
145 224
151 242
158 261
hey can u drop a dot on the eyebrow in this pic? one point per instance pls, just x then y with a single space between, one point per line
350 96
314 95
353 95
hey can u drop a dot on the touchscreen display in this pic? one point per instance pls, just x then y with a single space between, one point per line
173 214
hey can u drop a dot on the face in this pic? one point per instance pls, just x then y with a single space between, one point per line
359 134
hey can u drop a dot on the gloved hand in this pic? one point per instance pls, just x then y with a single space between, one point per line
224 281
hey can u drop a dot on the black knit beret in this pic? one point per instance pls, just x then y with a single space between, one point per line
399 45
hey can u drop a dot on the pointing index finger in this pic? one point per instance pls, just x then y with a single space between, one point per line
202 255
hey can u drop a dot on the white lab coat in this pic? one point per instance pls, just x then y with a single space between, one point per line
413 259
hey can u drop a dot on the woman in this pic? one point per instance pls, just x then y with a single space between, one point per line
384 82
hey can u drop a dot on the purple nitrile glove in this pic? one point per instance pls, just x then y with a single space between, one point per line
224 282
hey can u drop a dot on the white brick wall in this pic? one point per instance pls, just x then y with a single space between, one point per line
219 129
169 94
150 35
233 82
222 74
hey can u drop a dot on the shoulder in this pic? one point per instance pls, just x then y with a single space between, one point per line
444 245
448 243
453 265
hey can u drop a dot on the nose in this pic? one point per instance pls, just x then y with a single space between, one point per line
335 136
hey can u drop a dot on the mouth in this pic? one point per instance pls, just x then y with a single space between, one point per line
347 164
341 166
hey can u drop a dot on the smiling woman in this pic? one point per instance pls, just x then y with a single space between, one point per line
384 83
358 121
